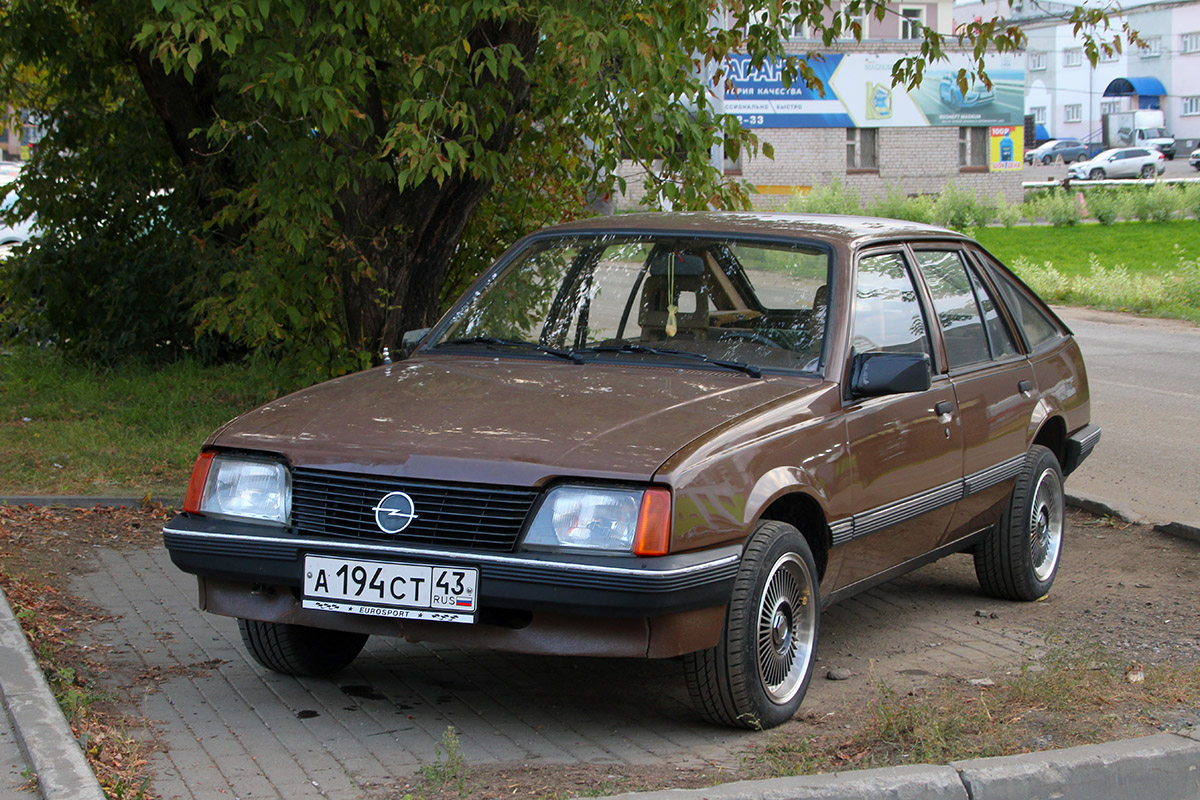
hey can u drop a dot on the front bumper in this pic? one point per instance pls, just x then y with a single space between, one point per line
596 586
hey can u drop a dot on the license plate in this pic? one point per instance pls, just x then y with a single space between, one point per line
385 589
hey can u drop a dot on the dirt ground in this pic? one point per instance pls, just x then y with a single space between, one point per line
1126 589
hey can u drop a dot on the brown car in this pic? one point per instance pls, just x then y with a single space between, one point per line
656 435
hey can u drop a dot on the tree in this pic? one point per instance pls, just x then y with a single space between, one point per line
337 164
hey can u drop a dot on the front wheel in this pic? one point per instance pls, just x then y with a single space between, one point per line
757 674
1019 558
298 649
1096 174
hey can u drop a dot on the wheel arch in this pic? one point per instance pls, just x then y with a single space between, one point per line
805 513
1052 434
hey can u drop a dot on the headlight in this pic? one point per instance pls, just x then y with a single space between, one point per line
232 486
582 518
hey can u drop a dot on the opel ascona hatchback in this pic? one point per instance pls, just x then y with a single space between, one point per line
655 436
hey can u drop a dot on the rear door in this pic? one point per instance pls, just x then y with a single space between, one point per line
993 385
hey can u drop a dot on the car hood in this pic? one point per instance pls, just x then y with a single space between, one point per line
503 420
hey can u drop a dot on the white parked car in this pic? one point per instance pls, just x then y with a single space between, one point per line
1120 162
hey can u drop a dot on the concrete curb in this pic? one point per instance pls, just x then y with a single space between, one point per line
83 501
41 730
1165 766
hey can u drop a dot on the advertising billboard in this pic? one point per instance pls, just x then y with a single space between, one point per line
859 94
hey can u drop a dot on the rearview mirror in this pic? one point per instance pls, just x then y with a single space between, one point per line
876 374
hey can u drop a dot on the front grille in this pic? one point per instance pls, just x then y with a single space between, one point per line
447 515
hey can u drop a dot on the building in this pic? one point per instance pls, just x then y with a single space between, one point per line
873 137
1068 96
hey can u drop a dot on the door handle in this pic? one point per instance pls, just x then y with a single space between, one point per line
1025 387
944 409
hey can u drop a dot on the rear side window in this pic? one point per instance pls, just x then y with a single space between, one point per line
1037 327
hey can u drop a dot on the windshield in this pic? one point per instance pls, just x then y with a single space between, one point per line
1155 133
653 298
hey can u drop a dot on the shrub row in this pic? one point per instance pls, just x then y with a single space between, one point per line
959 209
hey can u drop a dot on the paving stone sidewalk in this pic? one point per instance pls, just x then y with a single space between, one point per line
232 728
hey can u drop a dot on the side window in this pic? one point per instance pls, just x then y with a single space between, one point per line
954 304
999 336
1037 327
887 314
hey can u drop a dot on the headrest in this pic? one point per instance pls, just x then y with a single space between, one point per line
686 264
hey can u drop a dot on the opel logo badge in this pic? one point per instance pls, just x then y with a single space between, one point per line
395 512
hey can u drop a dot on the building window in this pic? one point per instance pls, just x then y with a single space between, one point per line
862 148
1153 48
1039 114
973 147
1037 61
798 29
1110 106
1191 105
1073 57
851 20
1108 58
1073 112
912 20
1190 42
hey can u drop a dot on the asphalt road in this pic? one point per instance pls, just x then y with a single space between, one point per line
1176 168
1145 382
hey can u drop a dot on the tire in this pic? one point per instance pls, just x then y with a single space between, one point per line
1147 170
300 650
1096 174
1019 558
1047 161
757 674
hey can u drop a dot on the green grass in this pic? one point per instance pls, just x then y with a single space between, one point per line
1149 268
1140 246
70 428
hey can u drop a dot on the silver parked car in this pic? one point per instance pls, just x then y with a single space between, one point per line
1065 150
1121 162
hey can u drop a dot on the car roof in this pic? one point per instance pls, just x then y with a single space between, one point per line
847 230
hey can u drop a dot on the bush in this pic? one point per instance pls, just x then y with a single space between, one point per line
832 199
1061 209
1156 204
956 208
895 205
1105 206
1191 199
1009 214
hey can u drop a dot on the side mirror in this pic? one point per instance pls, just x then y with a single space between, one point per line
410 340
876 374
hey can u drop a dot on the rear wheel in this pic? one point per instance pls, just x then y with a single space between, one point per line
757 674
1147 170
300 650
1019 558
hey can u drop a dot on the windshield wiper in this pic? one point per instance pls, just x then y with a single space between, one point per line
740 366
541 348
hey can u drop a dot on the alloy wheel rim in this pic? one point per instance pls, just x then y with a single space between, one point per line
786 628
1046 526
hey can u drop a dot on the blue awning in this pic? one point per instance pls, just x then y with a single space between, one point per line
1040 133
1140 86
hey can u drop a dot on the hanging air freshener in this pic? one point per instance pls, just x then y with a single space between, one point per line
672 301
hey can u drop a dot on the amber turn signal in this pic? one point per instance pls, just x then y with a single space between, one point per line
654 524
195 490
